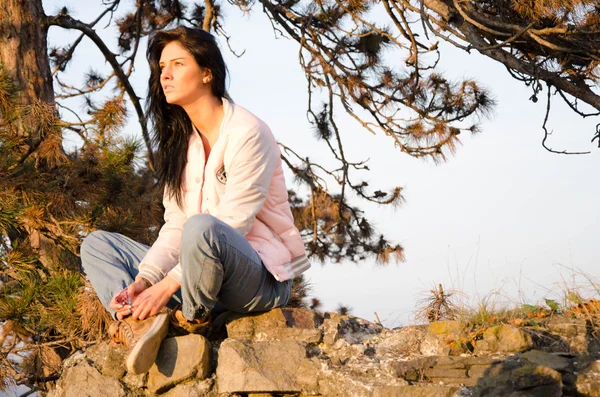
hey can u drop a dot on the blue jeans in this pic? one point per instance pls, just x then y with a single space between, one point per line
220 270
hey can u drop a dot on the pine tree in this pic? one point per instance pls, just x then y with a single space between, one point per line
50 198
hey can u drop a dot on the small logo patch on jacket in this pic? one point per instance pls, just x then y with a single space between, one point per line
222 175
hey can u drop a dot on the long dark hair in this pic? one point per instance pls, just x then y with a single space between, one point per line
171 126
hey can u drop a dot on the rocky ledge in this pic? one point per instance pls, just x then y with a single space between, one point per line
297 352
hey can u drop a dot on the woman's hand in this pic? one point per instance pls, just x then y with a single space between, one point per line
153 299
123 308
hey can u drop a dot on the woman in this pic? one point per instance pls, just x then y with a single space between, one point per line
229 239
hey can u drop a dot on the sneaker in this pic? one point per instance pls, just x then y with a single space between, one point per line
182 326
142 338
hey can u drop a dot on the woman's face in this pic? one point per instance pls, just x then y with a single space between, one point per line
182 80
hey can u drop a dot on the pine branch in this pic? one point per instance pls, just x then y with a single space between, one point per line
473 25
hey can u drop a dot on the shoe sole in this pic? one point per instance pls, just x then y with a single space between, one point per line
144 353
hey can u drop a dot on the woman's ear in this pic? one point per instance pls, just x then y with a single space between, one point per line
207 78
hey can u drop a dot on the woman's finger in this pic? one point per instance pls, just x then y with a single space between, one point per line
114 304
122 313
140 307
145 313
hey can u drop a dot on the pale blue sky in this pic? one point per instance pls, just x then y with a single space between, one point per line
502 214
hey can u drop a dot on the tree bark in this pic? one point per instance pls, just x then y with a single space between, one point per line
24 48
24 56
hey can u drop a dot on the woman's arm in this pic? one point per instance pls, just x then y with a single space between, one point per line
164 253
161 259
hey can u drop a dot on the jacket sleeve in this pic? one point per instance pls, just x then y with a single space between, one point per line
254 160
164 253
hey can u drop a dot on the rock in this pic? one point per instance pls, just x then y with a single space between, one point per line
277 366
466 371
97 354
411 370
587 383
299 353
504 339
445 373
279 324
527 381
75 358
443 338
349 384
415 391
587 386
133 381
331 328
191 389
404 341
179 359
549 360
594 366
83 380
113 364
572 333
351 329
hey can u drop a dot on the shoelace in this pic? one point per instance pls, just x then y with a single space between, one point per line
123 334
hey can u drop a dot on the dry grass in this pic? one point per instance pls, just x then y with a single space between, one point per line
42 364
575 300
438 305
94 317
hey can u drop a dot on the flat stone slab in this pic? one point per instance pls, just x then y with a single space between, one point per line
536 380
415 391
246 367
191 389
550 360
83 379
300 325
504 339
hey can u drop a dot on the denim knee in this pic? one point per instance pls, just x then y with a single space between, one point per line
93 242
200 226
90 241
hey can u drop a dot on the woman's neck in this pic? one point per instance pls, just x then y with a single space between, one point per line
206 113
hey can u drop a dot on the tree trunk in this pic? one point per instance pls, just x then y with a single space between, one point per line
24 48
24 56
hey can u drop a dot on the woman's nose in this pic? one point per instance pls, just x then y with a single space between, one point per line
165 74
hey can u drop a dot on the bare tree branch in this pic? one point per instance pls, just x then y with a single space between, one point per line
546 133
67 22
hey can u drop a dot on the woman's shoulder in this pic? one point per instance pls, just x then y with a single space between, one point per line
241 122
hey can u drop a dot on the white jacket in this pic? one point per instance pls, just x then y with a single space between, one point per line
241 184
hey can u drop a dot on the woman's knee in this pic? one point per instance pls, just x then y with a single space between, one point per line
94 244
199 230
92 241
200 224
